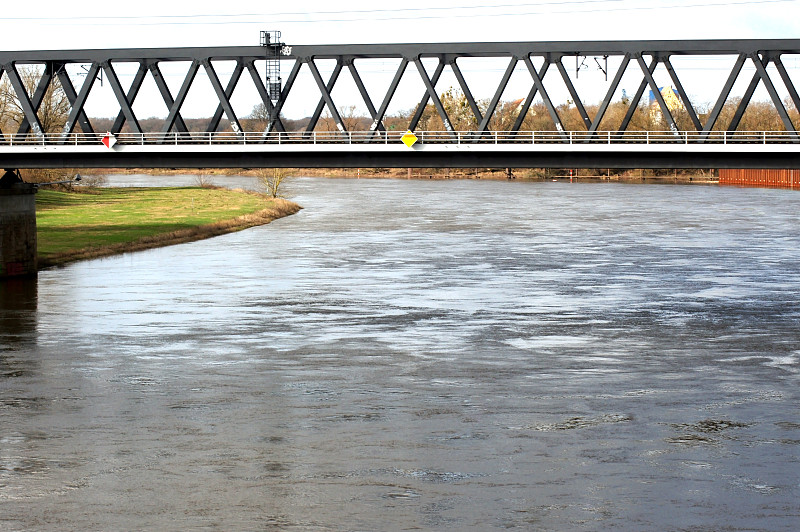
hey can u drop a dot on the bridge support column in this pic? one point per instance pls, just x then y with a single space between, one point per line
17 227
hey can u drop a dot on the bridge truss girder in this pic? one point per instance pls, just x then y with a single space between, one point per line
647 56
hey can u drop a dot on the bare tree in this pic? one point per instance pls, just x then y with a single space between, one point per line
271 180
5 103
259 118
53 110
52 114
351 120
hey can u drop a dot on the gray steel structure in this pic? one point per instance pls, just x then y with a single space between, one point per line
644 55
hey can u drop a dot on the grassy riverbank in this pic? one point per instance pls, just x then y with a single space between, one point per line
107 221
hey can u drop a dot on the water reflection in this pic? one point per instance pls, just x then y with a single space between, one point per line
18 303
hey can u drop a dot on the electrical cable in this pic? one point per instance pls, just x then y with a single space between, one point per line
275 18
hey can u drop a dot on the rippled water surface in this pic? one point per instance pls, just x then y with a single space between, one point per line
420 355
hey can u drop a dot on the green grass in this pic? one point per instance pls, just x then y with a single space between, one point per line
108 219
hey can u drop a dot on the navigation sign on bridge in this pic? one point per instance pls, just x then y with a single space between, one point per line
409 138
109 140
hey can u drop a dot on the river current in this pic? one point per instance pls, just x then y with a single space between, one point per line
419 355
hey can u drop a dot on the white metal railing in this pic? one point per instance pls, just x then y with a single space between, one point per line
423 137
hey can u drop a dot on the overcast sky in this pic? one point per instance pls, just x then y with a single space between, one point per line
47 24
68 24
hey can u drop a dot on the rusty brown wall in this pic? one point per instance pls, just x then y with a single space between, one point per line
760 178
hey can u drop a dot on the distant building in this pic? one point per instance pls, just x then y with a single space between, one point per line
671 98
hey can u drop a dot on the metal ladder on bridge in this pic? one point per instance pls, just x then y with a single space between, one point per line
271 41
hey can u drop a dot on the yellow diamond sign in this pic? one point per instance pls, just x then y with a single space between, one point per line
409 139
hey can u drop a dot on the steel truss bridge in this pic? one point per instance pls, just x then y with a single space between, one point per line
710 144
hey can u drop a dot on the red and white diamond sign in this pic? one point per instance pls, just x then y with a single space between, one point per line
109 140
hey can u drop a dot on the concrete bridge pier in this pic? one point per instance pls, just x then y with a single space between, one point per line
17 226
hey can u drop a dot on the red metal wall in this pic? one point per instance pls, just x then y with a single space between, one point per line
760 178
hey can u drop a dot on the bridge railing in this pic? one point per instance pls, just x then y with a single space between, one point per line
394 137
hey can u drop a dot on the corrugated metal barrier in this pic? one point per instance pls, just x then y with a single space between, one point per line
760 178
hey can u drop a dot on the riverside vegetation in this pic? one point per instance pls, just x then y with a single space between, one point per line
99 222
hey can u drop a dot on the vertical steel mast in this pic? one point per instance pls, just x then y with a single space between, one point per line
271 41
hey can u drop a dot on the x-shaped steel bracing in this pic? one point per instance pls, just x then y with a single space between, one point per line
647 56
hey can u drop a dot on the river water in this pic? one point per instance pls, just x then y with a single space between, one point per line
420 355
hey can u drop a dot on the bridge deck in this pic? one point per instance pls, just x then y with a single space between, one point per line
664 149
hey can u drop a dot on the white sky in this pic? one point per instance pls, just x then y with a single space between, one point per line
73 24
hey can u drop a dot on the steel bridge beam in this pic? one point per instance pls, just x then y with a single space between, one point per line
463 49
38 95
724 94
378 121
284 94
72 96
326 99
224 96
357 158
174 117
264 95
484 121
131 96
612 89
760 52
80 100
30 116
529 99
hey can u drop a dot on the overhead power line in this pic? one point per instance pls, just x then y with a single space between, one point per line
335 12
429 13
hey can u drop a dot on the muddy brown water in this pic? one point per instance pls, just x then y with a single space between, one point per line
448 355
